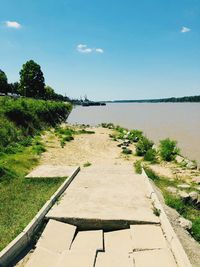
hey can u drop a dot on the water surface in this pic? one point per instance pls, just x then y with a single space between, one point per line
180 121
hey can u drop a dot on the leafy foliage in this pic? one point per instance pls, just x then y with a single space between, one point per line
143 146
32 80
151 155
168 149
3 82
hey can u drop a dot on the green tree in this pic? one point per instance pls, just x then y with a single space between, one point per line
32 80
49 93
3 82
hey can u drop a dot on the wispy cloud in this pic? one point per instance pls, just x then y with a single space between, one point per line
12 24
99 50
83 48
185 29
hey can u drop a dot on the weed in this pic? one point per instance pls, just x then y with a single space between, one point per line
138 166
87 164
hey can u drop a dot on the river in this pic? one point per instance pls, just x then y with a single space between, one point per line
179 121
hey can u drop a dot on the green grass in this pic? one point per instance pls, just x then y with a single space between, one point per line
138 166
187 210
20 198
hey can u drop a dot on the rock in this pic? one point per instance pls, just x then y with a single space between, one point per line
191 165
196 180
184 186
198 188
193 196
179 159
172 190
184 196
184 223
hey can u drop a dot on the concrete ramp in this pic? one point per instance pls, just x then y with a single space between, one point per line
52 171
102 197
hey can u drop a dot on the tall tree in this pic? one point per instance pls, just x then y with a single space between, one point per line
32 80
3 82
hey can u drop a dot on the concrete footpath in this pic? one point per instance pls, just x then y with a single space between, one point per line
104 219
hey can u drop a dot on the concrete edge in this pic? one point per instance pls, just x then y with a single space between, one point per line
15 247
174 243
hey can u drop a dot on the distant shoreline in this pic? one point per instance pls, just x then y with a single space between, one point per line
185 99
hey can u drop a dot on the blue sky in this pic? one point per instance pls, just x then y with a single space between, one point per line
108 49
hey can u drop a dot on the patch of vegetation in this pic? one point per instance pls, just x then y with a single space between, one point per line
138 166
21 198
108 125
168 149
143 146
87 164
135 135
83 131
127 151
156 211
187 210
151 155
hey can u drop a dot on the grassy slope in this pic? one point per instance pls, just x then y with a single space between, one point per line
21 199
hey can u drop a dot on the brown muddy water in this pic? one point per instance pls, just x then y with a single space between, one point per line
179 121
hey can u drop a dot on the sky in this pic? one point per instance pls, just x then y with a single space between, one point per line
105 49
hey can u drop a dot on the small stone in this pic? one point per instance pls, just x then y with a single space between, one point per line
191 165
196 179
193 196
184 186
179 159
184 195
172 190
184 223
198 188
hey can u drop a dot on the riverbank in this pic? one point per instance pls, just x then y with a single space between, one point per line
92 149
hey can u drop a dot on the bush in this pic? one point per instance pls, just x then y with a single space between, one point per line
151 155
135 135
20 118
143 146
168 149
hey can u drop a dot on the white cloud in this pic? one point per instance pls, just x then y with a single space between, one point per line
13 24
83 48
99 50
185 29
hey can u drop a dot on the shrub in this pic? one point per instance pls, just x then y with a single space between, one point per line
143 146
135 135
168 149
151 155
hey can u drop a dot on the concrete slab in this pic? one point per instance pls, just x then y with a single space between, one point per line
51 171
74 258
114 259
43 258
88 240
147 237
57 236
118 241
110 194
154 258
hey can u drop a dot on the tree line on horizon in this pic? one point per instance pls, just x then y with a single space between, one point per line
183 99
31 84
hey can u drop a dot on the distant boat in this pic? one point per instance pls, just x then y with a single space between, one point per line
92 103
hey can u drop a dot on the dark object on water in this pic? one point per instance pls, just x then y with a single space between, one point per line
92 103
